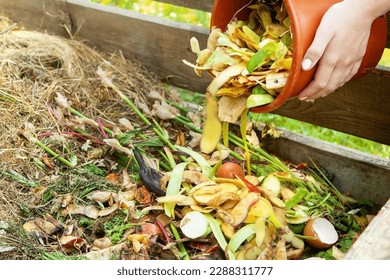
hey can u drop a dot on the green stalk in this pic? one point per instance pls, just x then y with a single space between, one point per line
332 187
238 141
235 140
77 113
178 106
188 124
19 178
156 129
181 245
160 133
54 154
130 103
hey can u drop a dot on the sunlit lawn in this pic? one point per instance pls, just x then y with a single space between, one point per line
203 19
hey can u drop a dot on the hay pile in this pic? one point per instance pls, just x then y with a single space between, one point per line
34 68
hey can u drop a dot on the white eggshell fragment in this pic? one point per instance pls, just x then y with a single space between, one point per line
323 231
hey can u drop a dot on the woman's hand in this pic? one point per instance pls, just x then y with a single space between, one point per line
339 46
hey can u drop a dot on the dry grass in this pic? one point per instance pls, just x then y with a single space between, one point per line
34 68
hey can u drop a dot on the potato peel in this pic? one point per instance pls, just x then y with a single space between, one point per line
212 128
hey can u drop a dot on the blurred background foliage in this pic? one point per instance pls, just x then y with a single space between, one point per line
163 10
200 18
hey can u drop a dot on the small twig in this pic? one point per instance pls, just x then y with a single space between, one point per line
77 113
8 29
164 232
101 127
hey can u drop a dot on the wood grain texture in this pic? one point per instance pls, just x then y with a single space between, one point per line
203 5
38 14
159 44
361 108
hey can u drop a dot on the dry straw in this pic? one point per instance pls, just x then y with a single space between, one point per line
34 68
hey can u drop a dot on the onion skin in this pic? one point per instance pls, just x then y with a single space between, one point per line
230 170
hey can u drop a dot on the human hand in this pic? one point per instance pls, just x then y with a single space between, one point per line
338 47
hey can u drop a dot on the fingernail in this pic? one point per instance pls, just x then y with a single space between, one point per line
310 100
306 64
302 98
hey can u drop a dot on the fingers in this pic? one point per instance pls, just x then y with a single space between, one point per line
330 75
337 49
318 86
332 81
353 71
316 49
334 69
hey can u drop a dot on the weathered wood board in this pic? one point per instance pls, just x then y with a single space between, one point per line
203 5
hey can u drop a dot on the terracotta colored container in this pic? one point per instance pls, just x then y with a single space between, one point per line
305 16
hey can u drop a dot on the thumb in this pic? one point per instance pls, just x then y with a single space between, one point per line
316 50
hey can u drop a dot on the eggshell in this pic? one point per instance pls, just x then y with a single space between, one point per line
324 232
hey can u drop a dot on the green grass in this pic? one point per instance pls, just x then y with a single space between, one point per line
163 10
385 60
326 134
203 19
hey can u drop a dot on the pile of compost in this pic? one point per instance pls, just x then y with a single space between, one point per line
100 160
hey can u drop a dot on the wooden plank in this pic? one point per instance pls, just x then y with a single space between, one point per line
38 14
356 173
388 30
374 242
202 5
159 44
361 108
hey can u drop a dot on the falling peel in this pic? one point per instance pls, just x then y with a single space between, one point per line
212 129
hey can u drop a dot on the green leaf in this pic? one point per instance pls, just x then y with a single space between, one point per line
240 236
255 100
280 50
259 90
173 187
218 58
261 56
255 39
299 195
217 232
202 162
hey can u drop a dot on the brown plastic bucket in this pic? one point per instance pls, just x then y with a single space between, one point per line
305 16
